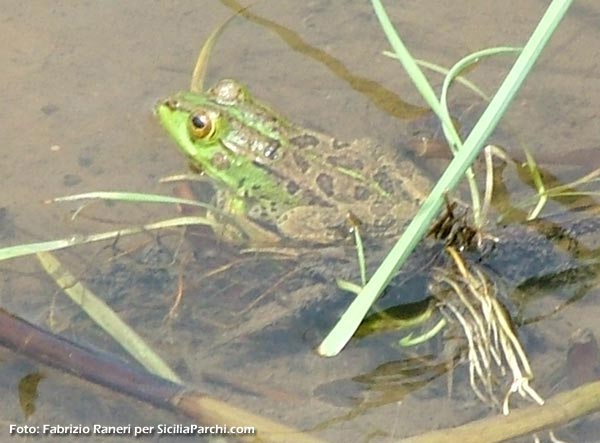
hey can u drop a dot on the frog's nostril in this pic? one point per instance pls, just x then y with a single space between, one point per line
166 104
170 103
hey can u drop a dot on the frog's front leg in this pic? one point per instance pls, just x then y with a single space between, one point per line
237 227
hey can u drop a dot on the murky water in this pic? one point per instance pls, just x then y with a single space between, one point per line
80 80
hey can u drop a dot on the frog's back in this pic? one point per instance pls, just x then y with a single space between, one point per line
362 181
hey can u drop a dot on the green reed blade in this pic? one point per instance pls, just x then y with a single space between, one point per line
351 319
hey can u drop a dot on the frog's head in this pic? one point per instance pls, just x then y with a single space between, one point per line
198 126
222 127
233 139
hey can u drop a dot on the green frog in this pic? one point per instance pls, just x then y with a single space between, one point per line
279 181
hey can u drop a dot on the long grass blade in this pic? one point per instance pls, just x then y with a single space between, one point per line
53 245
444 71
460 66
351 319
131 197
106 318
197 83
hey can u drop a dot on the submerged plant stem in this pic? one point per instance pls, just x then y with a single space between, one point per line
558 410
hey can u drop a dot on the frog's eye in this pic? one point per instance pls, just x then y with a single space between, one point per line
201 125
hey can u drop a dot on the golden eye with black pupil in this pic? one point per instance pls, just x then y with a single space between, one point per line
201 125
